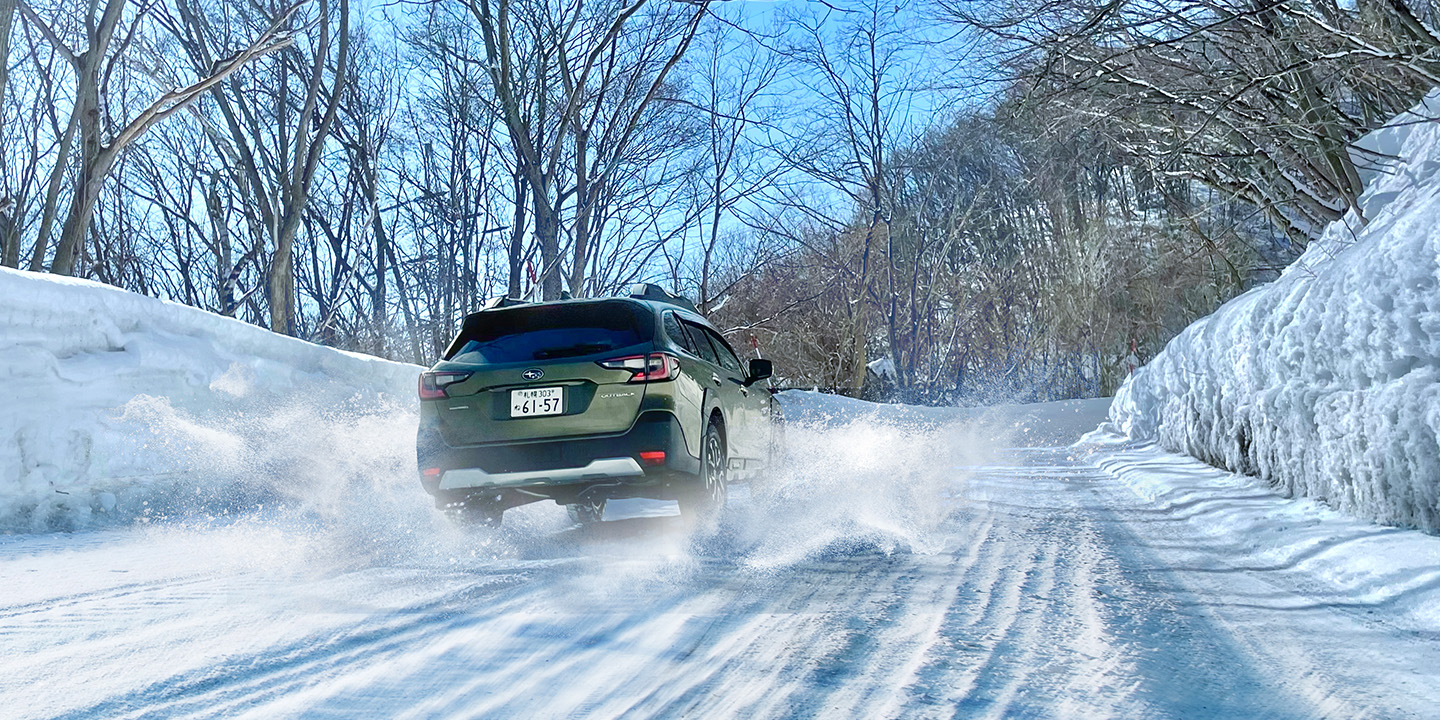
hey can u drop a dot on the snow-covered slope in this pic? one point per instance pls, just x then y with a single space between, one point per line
118 407
1325 382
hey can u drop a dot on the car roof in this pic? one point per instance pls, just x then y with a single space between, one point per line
654 306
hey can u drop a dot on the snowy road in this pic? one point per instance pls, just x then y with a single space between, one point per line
890 575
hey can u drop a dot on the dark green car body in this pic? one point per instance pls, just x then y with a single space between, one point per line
625 390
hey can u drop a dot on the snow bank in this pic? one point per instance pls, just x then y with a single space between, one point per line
120 408
1326 382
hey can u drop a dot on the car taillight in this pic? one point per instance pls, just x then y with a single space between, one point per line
433 384
646 368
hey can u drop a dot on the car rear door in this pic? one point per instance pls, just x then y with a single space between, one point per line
753 406
728 381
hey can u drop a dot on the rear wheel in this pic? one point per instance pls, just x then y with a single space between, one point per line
586 512
777 443
704 500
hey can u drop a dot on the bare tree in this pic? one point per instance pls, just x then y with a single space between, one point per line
102 139
866 85
569 88
1260 100
366 130
457 202
7 17
278 156
9 210
734 78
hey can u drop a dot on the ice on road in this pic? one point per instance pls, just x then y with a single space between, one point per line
925 567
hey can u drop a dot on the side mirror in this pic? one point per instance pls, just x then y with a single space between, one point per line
759 370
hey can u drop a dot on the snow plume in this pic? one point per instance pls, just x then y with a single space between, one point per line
863 487
294 452
120 408
859 478
1325 383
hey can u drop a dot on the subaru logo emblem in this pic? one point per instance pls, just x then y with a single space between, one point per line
533 374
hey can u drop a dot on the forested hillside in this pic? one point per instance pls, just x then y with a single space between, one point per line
945 201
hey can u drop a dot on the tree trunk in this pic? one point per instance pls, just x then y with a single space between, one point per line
8 237
281 282
7 17
379 301
370 186
82 209
84 120
859 341
305 161
547 233
224 262
583 206
412 327
94 165
517 236
52 194
708 255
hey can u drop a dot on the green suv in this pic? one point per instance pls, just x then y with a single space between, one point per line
581 401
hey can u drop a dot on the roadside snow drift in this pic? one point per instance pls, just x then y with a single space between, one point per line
1326 382
121 408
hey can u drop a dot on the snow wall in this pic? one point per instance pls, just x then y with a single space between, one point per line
118 408
1326 382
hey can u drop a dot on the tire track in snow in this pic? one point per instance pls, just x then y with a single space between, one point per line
77 600
1040 642
1185 664
1296 631
907 694
218 690
974 624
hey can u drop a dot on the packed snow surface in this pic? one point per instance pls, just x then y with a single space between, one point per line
120 408
905 563
1326 382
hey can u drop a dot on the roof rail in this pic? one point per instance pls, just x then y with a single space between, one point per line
503 301
651 291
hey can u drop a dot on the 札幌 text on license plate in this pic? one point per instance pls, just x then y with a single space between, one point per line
537 401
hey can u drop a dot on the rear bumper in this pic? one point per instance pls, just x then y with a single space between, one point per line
599 469
566 466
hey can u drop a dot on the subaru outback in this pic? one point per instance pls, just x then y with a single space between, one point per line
583 401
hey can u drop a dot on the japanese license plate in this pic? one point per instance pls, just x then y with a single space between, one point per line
531 402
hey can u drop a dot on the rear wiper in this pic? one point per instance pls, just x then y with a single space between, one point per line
570 351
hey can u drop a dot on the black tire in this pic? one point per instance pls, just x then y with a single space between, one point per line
767 478
704 500
586 512
777 440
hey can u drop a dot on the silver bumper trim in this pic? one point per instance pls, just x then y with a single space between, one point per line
599 469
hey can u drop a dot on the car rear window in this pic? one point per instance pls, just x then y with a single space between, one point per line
550 332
